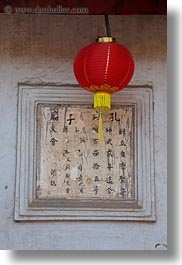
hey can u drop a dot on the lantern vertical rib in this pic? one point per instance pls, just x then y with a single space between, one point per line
107 63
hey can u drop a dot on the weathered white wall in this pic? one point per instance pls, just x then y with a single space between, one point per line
40 49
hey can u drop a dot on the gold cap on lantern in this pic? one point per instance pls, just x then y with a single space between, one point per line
105 39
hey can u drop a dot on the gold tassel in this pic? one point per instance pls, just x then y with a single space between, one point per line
102 100
100 126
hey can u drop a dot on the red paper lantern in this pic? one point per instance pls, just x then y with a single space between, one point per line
103 67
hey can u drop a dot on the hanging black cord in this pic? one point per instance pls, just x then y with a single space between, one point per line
108 30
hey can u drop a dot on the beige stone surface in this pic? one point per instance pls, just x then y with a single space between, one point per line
74 164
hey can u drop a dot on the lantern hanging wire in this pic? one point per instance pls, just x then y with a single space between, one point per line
102 97
108 29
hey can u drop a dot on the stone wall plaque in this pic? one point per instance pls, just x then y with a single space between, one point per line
65 173
74 164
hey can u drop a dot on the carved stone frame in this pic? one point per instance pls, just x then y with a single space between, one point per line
28 207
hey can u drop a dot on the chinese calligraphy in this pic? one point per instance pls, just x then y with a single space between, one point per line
76 164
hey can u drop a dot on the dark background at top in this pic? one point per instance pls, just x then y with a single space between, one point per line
97 7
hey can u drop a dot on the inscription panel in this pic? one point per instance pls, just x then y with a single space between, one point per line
64 172
74 164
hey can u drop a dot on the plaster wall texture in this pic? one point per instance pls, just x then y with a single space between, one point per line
40 49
